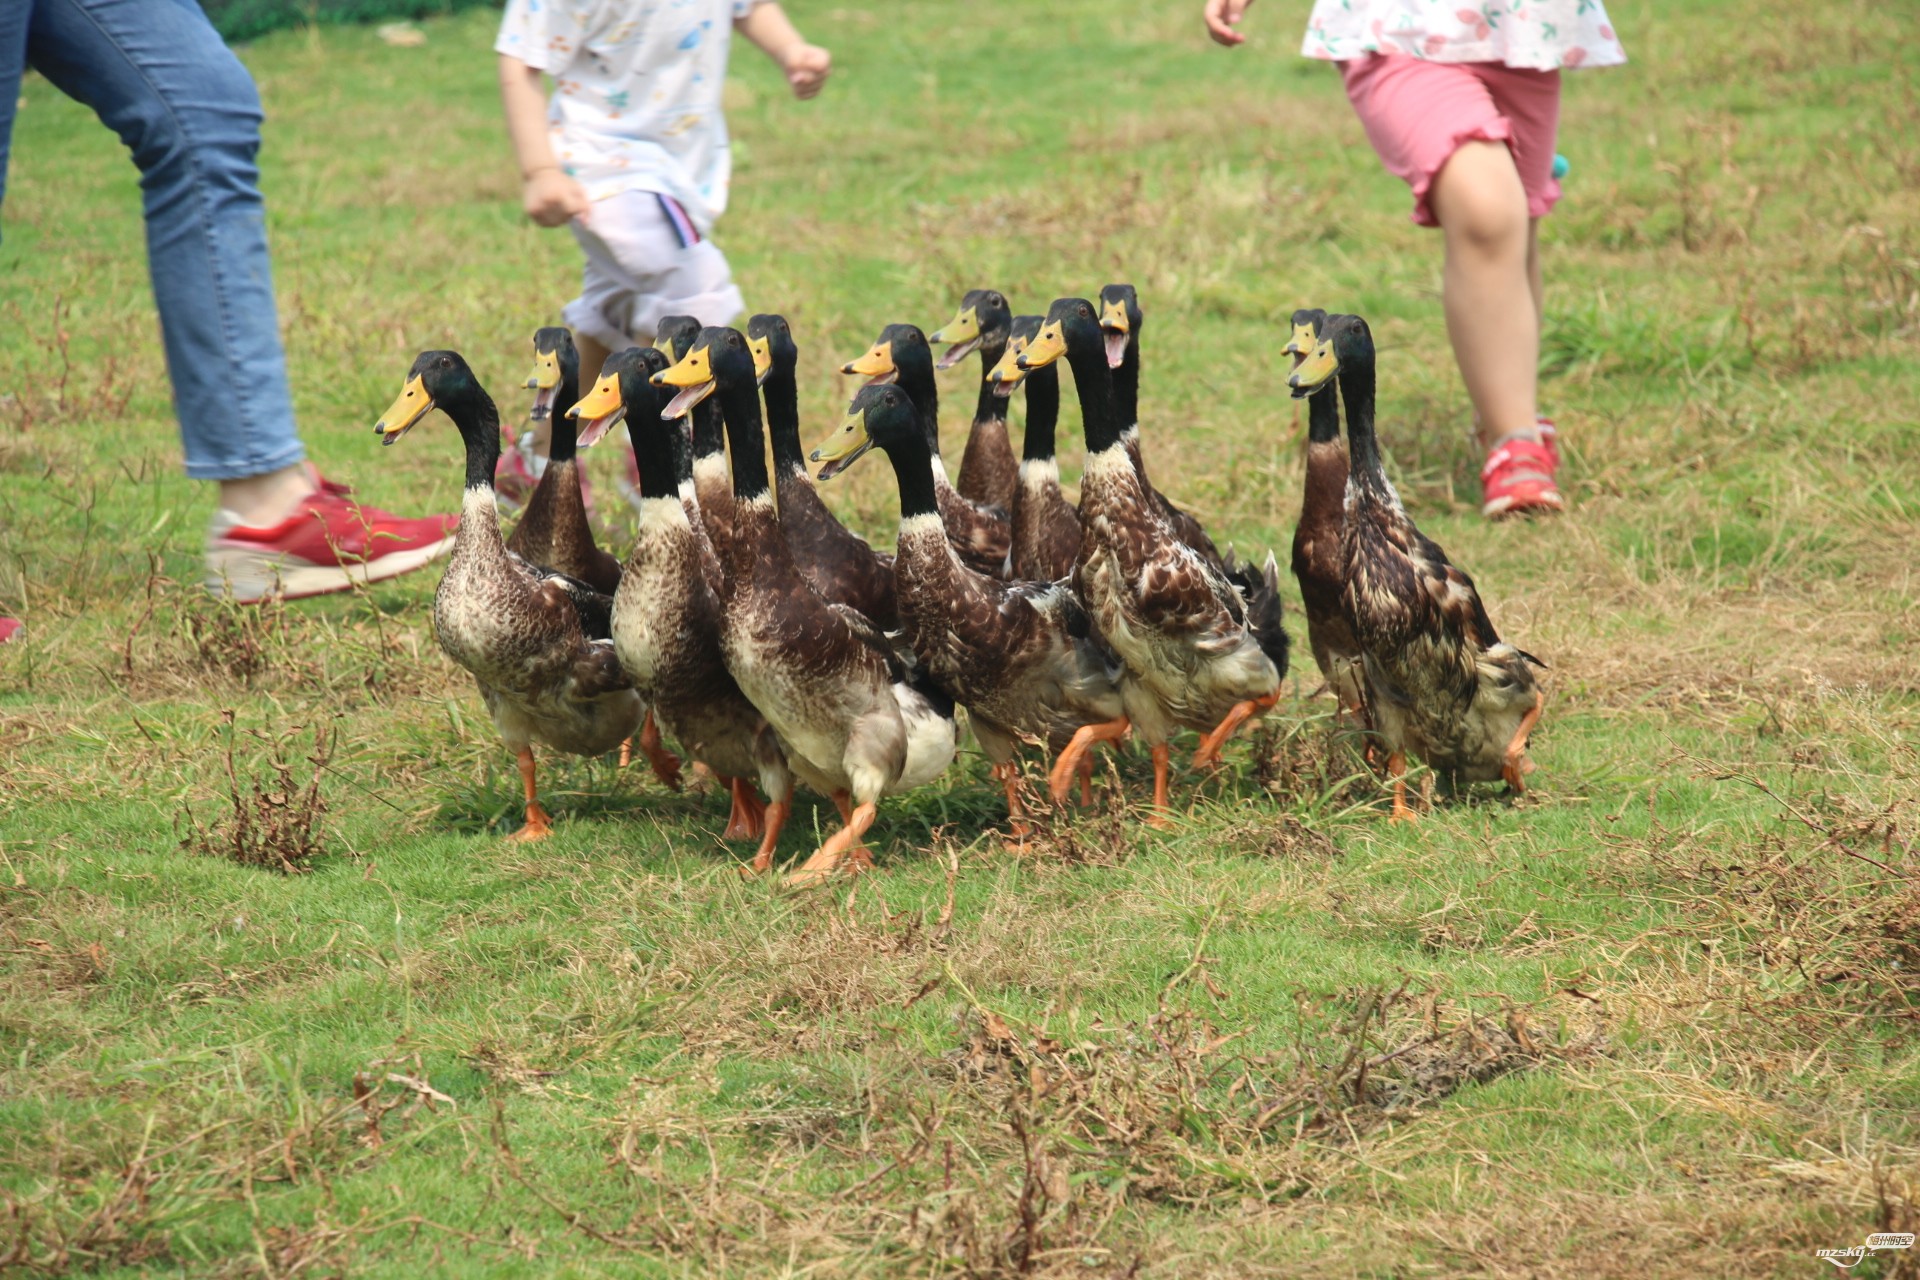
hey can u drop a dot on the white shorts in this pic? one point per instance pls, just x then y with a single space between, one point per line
646 260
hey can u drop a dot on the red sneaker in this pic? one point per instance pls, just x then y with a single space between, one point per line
9 628
330 544
1518 477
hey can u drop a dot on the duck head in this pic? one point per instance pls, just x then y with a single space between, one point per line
880 414
770 339
1120 318
436 378
623 389
1340 339
981 321
1007 374
1072 328
1307 324
720 354
555 361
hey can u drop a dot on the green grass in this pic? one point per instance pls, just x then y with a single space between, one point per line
1658 1020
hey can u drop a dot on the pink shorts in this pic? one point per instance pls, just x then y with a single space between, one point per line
1418 113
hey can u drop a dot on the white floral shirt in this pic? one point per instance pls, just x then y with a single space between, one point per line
636 92
1541 35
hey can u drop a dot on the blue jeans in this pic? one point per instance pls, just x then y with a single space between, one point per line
157 73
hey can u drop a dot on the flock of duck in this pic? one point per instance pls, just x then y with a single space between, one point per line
771 644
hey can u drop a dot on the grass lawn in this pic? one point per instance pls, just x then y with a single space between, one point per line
1659 1019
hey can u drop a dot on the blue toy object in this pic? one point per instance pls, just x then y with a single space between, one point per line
1560 167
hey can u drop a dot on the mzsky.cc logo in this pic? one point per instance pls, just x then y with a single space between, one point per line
1850 1257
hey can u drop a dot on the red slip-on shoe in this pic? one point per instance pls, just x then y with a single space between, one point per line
1518 478
331 543
9 628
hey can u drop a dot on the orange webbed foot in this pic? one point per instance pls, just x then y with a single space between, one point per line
665 765
1397 770
1208 754
843 846
538 826
746 818
1060 777
776 819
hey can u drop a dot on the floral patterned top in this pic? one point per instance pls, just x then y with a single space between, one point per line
1541 35
636 92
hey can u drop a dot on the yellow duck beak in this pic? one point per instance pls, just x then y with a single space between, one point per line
963 331
762 349
412 405
1008 374
1314 371
875 366
599 411
1047 346
693 377
1114 323
1301 344
544 382
844 447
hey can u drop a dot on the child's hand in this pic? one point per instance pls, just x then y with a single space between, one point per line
807 67
553 199
1222 17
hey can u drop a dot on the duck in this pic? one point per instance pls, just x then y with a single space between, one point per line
667 614
1259 585
1193 656
856 723
1022 657
837 562
1439 682
711 484
982 535
1316 538
1046 527
1120 323
988 474
515 627
554 531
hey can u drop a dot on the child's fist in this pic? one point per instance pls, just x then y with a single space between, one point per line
807 67
1222 16
553 199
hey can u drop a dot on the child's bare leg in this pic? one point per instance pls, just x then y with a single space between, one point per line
1491 279
1534 281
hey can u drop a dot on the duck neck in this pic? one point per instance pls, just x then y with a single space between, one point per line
990 407
479 424
1363 447
563 439
740 409
920 387
913 469
653 454
1126 385
1323 416
783 419
1094 383
680 450
1043 414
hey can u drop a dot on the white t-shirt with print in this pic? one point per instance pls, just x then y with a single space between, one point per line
636 97
1541 35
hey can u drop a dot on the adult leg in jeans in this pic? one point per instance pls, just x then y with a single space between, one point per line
157 73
